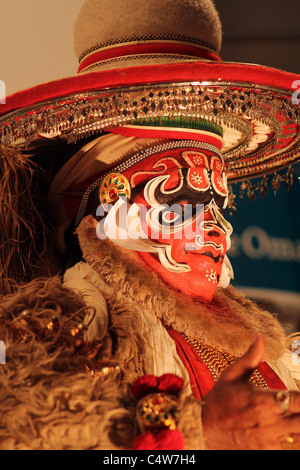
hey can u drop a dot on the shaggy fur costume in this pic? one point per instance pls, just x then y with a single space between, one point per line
49 399
54 391
55 394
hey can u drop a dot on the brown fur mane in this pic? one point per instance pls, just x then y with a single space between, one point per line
49 399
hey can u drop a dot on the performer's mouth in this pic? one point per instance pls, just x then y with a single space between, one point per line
217 257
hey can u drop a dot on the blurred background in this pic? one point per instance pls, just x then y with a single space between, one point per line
36 45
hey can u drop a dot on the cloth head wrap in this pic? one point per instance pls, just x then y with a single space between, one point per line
95 158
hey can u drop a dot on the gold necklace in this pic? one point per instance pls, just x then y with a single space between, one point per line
217 361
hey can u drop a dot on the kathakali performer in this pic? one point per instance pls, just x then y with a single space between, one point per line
121 327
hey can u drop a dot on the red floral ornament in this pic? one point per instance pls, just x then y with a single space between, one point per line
167 383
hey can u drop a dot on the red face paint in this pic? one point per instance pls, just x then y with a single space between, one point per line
181 194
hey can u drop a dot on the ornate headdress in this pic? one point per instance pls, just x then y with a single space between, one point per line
153 71
157 62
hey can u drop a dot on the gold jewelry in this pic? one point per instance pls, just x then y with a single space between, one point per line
114 185
283 400
217 361
157 411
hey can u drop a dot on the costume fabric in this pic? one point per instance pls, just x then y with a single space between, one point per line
116 333
49 399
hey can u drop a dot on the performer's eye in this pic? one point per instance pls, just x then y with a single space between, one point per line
170 214
169 217
180 212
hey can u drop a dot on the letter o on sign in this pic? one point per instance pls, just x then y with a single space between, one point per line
255 242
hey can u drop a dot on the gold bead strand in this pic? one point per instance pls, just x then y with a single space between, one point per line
217 361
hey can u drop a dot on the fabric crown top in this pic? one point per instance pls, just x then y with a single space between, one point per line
156 28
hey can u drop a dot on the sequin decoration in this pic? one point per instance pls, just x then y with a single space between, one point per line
261 125
114 186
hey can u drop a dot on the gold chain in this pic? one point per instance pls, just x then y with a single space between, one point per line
217 361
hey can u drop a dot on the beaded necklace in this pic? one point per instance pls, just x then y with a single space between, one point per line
217 361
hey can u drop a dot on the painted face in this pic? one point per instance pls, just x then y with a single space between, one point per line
180 197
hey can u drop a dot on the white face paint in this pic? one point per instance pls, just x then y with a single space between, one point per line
122 225
177 217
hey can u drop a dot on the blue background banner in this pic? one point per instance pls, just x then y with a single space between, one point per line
265 250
